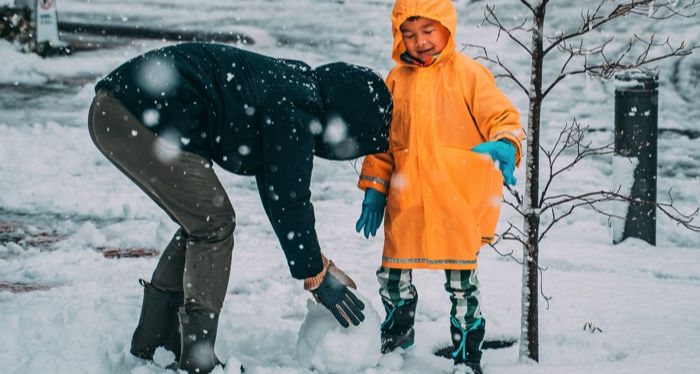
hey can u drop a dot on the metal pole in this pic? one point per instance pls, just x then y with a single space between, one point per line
636 133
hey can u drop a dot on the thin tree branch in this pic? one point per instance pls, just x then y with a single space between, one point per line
591 198
491 17
507 235
518 198
527 5
595 20
545 297
584 28
572 136
497 61
555 220
608 67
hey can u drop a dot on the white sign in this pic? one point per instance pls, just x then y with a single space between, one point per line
47 23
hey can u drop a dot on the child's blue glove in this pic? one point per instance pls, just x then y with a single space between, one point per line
502 151
372 212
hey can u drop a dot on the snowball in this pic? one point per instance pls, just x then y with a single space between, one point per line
163 357
326 346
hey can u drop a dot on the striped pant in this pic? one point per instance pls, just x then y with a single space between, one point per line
462 285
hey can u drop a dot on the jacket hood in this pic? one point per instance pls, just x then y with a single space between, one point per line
356 112
442 11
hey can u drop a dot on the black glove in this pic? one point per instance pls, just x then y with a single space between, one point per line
344 305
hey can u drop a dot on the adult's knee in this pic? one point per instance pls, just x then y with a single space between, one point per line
105 113
95 122
226 227
214 229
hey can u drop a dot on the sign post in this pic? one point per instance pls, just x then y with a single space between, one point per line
46 35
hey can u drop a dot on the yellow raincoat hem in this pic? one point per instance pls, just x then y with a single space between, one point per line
426 263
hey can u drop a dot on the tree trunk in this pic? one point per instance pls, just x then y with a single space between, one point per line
529 340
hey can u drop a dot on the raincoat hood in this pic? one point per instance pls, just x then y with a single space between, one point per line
357 109
442 11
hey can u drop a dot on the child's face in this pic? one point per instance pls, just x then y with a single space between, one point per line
424 37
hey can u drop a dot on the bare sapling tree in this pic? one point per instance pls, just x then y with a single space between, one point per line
581 49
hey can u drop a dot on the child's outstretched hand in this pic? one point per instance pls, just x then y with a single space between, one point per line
502 151
372 212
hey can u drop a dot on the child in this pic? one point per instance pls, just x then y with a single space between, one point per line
163 119
442 195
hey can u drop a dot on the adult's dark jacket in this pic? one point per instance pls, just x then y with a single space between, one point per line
249 113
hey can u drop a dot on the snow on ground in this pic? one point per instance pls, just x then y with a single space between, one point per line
628 308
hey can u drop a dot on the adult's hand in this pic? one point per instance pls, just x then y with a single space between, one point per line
342 303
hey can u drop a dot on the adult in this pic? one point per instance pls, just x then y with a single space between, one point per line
163 118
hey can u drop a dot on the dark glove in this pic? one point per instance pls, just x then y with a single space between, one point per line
344 305
503 152
372 212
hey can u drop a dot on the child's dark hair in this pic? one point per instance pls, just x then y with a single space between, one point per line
413 18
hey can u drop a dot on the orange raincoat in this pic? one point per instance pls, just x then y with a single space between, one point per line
443 199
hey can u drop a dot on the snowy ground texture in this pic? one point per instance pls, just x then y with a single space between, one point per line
65 307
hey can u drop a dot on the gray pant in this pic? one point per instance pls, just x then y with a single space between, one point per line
198 258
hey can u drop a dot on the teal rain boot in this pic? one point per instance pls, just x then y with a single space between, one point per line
397 328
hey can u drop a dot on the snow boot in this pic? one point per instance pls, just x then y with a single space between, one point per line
158 324
198 331
466 346
397 328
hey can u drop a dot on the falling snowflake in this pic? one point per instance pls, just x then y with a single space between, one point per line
315 127
157 76
151 117
336 130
